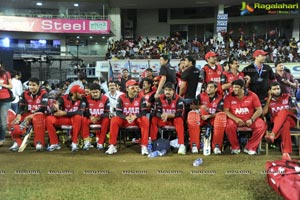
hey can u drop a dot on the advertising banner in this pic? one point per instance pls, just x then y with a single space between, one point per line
56 25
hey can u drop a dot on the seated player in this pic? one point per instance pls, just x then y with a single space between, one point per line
282 109
210 113
97 113
34 100
169 111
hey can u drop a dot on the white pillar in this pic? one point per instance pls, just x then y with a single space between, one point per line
115 22
296 26
218 36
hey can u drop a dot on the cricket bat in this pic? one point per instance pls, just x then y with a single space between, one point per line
206 142
26 139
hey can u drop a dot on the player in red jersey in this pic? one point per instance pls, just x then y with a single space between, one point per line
169 111
148 93
243 108
97 113
282 109
68 110
207 111
130 111
211 71
32 101
232 75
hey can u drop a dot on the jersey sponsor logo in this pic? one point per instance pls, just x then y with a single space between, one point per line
131 110
71 109
136 103
284 101
97 112
279 108
173 105
33 107
233 102
241 111
101 105
217 80
169 111
212 110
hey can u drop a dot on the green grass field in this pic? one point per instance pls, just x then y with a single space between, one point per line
128 175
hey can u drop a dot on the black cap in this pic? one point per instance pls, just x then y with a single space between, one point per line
149 69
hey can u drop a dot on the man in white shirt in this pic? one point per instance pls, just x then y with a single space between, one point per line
113 95
17 89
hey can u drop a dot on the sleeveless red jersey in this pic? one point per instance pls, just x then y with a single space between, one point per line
211 105
99 106
33 102
129 107
282 102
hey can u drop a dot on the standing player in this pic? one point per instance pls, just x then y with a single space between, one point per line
97 113
32 101
243 108
211 71
131 111
169 111
68 110
282 109
210 113
148 93
232 75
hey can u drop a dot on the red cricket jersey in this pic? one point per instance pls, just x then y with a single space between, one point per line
33 102
282 102
231 77
99 106
127 107
70 106
242 108
212 105
213 75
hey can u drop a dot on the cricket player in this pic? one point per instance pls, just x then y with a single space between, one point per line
243 108
169 111
207 111
68 110
130 111
34 100
97 113
282 109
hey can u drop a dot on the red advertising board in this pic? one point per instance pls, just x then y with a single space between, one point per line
27 24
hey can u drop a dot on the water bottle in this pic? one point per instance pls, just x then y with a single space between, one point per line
197 162
154 154
149 147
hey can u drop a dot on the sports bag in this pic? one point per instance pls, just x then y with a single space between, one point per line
284 177
161 144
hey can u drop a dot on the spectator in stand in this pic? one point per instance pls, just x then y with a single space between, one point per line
261 75
17 90
243 108
167 73
124 79
284 78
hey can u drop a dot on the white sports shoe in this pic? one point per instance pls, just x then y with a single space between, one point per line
111 150
144 150
217 151
38 146
195 150
181 150
14 147
86 145
249 152
100 146
53 147
74 147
